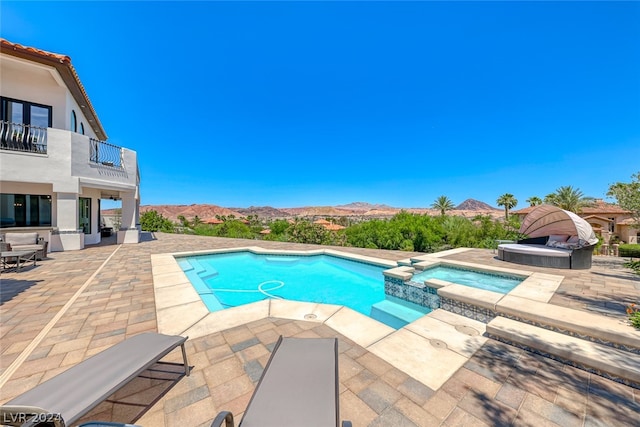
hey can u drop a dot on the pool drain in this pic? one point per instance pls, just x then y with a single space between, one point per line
310 316
438 343
467 330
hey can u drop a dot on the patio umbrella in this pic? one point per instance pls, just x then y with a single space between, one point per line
546 220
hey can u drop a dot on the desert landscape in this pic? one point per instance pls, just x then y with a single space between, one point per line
356 210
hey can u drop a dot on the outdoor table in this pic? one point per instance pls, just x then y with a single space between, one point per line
19 258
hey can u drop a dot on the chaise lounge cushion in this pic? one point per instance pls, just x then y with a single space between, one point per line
536 250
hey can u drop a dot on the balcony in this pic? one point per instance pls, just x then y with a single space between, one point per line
21 137
33 139
105 154
65 159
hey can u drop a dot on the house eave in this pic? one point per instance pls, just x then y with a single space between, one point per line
68 74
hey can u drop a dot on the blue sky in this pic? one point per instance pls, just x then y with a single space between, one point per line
316 103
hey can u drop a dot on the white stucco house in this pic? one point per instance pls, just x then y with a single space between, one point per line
55 163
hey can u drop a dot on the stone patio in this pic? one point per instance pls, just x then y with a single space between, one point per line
75 304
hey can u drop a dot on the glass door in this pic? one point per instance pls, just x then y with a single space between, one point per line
84 216
13 126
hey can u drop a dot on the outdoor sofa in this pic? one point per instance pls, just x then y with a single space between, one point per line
555 251
25 242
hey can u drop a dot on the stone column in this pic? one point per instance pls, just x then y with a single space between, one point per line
129 232
67 236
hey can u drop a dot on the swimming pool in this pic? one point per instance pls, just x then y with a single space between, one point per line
495 282
232 279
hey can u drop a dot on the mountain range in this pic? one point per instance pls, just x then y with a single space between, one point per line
468 208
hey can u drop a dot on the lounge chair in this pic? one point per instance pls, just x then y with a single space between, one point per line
299 387
73 393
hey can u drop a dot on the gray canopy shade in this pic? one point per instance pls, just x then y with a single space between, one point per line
546 220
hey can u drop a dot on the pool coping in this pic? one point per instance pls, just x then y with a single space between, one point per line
181 311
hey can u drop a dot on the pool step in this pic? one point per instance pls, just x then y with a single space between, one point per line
185 265
203 271
197 274
618 364
396 314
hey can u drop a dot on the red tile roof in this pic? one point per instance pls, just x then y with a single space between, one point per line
62 63
333 227
598 207
601 207
627 221
212 221
16 46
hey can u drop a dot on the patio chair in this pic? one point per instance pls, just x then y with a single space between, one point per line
68 396
298 387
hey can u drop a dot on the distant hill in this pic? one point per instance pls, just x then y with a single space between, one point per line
469 208
321 211
364 207
475 205
189 211
263 212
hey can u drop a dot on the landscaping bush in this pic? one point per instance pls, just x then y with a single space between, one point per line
154 221
634 265
631 251
634 316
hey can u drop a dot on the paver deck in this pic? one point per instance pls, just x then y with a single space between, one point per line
499 385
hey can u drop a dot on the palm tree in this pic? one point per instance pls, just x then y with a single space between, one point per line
443 204
568 198
534 201
551 199
508 201
184 221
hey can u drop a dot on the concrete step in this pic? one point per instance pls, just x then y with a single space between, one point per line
618 364
577 323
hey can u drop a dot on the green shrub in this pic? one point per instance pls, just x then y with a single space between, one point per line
597 246
634 316
154 221
634 265
279 226
629 250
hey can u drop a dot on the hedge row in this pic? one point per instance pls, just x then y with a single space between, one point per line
629 250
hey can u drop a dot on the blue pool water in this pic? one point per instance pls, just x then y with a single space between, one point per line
477 279
232 279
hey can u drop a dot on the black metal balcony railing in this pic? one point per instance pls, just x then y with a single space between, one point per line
21 137
105 154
